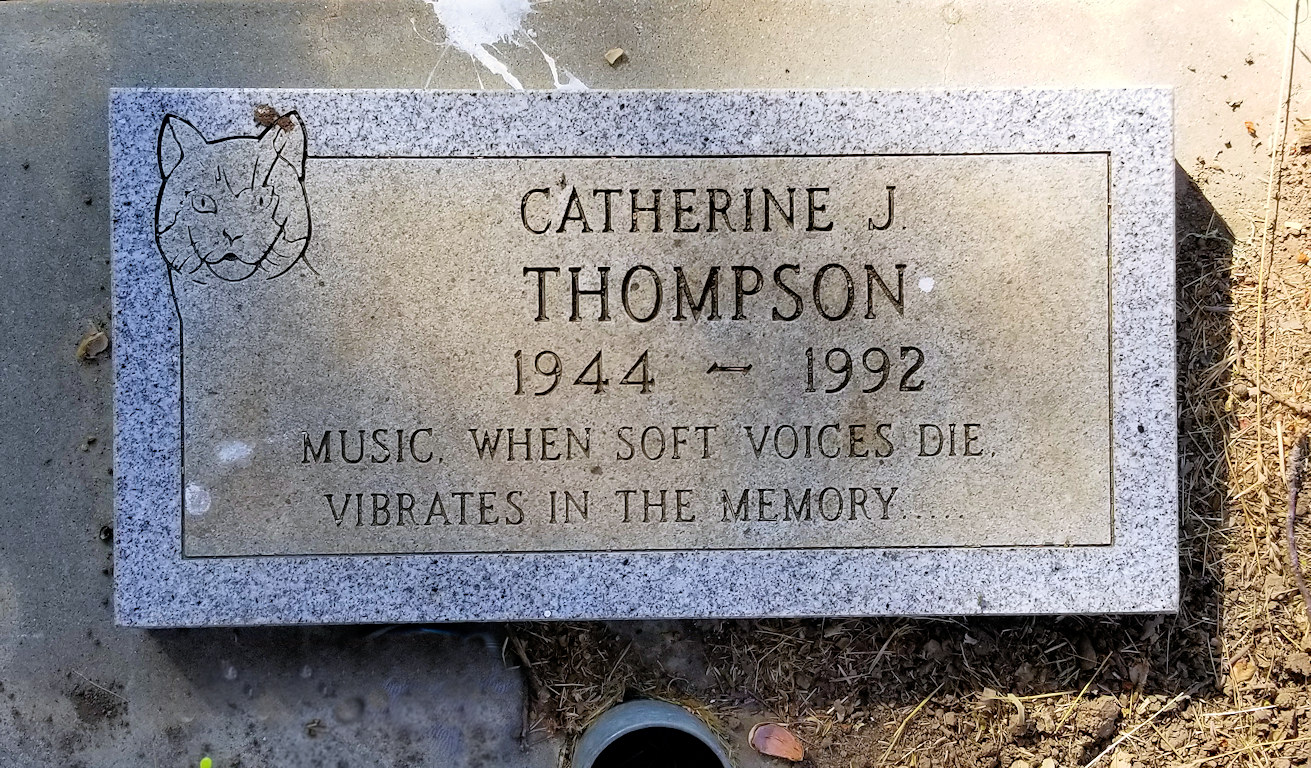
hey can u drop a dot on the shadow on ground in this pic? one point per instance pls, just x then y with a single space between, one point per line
366 695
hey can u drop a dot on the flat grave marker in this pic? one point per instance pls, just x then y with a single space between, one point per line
420 356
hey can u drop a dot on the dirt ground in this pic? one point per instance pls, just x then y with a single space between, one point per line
1222 683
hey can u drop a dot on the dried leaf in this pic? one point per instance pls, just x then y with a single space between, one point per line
265 115
1243 671
93 344
1138 674
776 741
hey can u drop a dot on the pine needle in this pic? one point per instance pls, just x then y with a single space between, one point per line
901 728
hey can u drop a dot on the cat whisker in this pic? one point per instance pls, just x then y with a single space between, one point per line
167 227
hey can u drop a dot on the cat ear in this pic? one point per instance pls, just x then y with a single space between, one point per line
177 137
284 140
296 146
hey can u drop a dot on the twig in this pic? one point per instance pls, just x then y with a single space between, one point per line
1250 748
530 682
1283 459
619 661
1296 471
1283 398
1278 145
1232 712
101 687
878 656
1082 693
1287 401
1111 747
896 736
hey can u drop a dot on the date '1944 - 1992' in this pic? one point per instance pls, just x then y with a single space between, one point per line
542 373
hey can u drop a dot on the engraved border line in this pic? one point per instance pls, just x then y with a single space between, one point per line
656 549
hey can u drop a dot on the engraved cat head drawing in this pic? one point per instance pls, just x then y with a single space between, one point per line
232 208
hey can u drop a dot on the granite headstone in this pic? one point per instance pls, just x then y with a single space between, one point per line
420 356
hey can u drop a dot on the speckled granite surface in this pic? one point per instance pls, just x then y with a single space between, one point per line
156 586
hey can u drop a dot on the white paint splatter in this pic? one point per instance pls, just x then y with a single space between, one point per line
196 500
474 26
570 83
232 451
926 284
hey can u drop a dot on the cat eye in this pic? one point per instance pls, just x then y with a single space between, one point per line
203 204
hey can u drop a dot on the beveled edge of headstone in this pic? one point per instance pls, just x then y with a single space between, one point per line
1138 572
